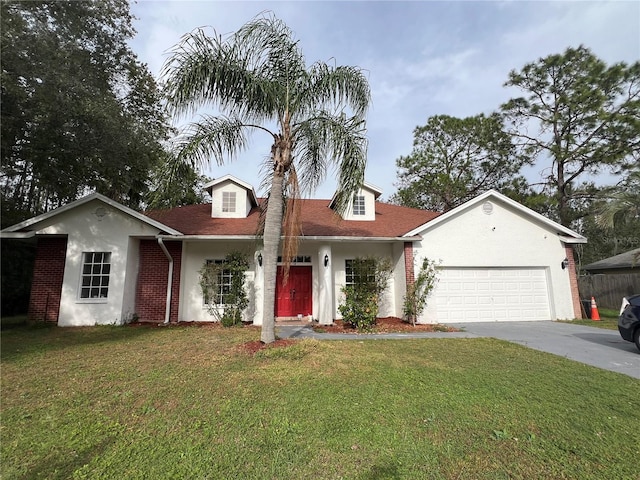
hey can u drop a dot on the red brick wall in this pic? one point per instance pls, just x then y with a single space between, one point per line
573 281
408 263
48 273
151 290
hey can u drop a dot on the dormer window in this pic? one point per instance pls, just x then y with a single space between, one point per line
229 202
358 205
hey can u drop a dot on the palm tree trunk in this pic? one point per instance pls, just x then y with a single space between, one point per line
271 237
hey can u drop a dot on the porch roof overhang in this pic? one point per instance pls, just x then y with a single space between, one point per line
302 238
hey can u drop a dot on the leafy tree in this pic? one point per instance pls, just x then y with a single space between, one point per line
581 115
258 79
182 186
615 227
455 159
79 112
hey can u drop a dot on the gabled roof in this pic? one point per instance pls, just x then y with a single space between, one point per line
249 188
317 220
377 191
630 259
565 234
31 222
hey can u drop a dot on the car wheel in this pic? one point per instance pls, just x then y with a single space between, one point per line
636 337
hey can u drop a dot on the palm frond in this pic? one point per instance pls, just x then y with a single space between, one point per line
327 139
211 71
328 87
217 138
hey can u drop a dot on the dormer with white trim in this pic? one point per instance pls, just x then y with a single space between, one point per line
231 197
363 204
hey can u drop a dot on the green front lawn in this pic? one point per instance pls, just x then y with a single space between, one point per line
608 320
190 402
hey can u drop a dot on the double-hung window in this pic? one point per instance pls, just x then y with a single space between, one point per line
94 281
229 202
363 273
223 288
358 205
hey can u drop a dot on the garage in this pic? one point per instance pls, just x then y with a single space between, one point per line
492 294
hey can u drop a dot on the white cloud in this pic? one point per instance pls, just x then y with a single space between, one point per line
423 58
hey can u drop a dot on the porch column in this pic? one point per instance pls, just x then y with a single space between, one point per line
325 286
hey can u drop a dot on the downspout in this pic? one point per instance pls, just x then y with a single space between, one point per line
167 309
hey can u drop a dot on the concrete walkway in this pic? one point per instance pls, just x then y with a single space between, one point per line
589 345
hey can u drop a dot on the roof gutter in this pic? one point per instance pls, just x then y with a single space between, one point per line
303 238
167 308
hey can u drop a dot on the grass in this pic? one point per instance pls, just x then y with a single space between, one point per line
608 320
139 402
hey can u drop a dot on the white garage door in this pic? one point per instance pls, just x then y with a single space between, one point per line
492 294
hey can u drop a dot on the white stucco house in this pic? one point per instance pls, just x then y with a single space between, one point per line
99 262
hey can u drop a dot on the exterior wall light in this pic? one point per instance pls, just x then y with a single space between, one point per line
565 263
326 260
260 259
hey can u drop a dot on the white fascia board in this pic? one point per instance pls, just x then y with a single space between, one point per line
569 234
572 240
252 193
358 239
94 196
377 191
206 237
19 235
302 238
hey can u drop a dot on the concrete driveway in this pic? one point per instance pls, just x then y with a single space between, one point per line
594 346
590 345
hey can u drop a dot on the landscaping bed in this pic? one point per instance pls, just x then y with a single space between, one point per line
385 325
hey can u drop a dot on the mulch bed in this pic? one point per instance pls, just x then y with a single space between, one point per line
384 325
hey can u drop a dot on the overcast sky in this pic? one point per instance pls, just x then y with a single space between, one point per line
422 58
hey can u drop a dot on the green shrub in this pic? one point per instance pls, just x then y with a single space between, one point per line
359 309
233 295
369 277
416 298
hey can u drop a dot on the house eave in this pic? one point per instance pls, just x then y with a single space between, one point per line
81 201
319 238
18 235
572 240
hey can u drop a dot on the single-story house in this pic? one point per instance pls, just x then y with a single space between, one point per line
610 279
627 262
99 262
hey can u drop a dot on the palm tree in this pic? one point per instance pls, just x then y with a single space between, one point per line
623 206
258 80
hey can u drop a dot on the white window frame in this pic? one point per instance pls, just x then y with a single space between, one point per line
229 202
359 205
350 278
225 275
95 276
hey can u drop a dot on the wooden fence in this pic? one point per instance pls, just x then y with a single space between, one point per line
608 289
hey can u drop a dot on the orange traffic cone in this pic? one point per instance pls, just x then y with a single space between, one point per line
594 310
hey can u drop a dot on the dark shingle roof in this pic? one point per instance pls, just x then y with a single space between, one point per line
316 217
630 259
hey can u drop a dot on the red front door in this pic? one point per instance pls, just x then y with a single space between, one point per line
294 298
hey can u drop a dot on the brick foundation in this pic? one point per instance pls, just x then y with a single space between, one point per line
48 273
151 290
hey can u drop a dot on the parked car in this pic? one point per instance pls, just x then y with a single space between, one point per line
629 320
